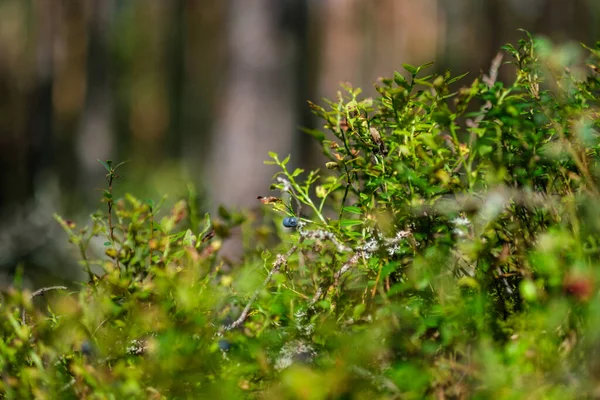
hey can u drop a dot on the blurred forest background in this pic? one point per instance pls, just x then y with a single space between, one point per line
197 91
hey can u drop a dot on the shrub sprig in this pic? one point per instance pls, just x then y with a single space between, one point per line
447 249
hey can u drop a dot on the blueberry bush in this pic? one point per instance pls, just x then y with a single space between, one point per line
449 248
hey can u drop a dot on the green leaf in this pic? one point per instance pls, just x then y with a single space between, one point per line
350 222
353 210
188 238
177 236
485 149
424 66
467 281
400 80
423 82
441 117
528 290
106 165
119 164
359 309
410 68
317 134
297 172
206 227
390 267
324 304
457 78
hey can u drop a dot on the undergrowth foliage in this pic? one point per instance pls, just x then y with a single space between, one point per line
449 250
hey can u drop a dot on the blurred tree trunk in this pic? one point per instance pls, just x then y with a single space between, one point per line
176 38
40 112
259 109
25 134
25 131
95 138
361 41
205 30
563 20
258 112
30 151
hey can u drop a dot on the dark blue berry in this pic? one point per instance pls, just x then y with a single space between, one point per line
290 222
87 348
224 344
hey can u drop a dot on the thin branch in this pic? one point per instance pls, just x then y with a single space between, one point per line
372 246
325 235
279 262
388 244
287 187
380 381
504 280
43 290
336 277
346 267
68 385
40 292
98 327
490 79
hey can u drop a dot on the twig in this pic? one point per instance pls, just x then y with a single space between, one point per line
372 246
279 262
68 385
503 277
85 260
151 237
383 383
376 285
490 79
336 277
43 290
325 235
111 227
98 327
287 187
346 267
40 292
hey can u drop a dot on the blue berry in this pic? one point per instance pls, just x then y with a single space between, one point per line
87 348
224 344
290 222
